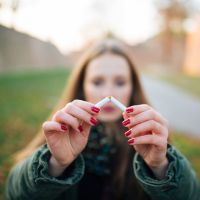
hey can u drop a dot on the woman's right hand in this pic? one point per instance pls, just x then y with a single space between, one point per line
65 136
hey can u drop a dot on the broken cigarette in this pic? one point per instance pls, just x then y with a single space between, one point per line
102 102
113 100
118 104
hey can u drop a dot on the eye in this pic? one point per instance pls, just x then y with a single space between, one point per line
120 82
97 82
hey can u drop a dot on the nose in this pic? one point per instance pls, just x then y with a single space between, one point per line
107 91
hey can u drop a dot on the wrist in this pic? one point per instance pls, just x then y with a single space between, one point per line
55 168
160 170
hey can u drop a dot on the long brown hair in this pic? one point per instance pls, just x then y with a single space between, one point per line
74 90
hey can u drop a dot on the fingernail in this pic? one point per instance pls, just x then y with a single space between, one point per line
63 127
129 109
131 141
80 128
126 122
127 133
95 109
93 121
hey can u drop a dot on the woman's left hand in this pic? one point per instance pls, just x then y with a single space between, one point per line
148 133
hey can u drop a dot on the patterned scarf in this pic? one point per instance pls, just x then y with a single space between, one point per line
99 151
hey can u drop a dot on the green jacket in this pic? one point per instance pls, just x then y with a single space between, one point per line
30 179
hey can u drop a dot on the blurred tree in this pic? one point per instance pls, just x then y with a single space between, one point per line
172 37
13 5
1 4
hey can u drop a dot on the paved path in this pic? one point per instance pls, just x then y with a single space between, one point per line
180 109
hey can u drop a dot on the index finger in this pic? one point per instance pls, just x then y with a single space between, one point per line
137 109
87 106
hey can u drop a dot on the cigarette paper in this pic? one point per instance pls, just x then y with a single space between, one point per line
102 102
118 104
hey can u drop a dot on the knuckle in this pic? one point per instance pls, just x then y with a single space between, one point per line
69 107
72 121
163 142
152 113
75 101
146 106
137 129
44 125
58 115
164 120
152 123
157 127
166 133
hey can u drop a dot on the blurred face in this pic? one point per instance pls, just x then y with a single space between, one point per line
108 75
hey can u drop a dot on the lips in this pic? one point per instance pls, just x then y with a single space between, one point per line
108 109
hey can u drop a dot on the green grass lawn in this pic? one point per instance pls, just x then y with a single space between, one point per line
27 98
190 147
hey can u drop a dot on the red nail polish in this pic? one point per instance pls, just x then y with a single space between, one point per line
63 127
95 109
129 110
93 121
131 141
127 133
126 122
80 128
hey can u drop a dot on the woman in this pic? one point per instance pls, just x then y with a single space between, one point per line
86 152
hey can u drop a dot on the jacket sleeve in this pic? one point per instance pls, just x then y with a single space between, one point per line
180 181
30 180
